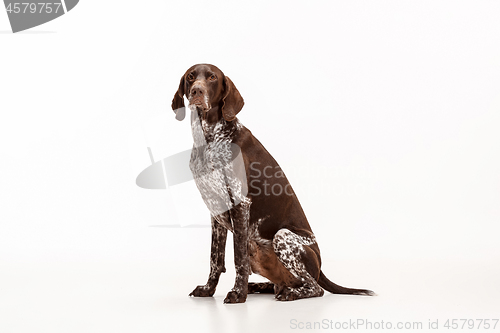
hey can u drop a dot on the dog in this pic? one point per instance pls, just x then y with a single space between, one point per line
248 194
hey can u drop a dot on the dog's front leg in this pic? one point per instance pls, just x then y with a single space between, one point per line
240 216
217 253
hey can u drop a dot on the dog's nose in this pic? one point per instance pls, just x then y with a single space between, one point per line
197 90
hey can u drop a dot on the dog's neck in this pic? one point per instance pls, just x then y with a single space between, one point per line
210 126
211 117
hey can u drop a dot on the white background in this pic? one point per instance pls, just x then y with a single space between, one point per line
384 115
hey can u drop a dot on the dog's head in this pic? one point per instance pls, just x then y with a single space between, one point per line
207 89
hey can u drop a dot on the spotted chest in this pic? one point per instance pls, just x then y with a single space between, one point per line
213 166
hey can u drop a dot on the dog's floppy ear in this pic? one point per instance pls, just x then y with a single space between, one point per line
232 102
178 102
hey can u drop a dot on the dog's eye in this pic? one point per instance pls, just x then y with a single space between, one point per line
212 77
190 77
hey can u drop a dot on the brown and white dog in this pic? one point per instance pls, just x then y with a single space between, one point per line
247 193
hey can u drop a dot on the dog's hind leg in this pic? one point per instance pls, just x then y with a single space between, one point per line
217 253
260 288
295 253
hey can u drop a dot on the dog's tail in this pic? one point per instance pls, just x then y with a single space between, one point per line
336 289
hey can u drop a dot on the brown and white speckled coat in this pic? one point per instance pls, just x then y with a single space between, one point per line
272 236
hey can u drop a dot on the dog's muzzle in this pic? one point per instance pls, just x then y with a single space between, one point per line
198 97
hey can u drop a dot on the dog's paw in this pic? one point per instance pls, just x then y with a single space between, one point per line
202 291
261 288
287 294
235 297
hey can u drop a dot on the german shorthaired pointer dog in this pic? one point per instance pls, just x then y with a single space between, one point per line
248 194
